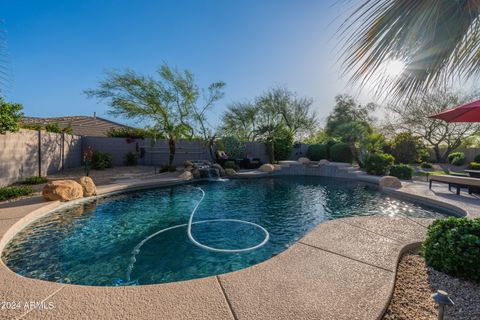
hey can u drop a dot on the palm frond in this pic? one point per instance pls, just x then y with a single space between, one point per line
437 40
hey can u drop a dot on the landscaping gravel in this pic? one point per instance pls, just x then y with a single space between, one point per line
416 283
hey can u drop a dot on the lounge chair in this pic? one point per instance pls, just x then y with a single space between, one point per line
456 181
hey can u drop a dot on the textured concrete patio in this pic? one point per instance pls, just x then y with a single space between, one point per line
343 269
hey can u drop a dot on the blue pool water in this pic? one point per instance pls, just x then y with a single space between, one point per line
92 243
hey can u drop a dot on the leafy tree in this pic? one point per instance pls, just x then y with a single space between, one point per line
317 137
240 121
404 148
347 110
437 41
414 116
168 103
10 116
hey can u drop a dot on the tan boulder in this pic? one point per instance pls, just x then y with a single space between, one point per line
277 167
88 186
230 172
304 160
390 182
187 175
63 190
266 167
323 162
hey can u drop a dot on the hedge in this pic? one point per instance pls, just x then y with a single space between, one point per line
340 152
317 152
402 171
378 163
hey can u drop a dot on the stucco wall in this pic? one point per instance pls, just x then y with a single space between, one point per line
20 152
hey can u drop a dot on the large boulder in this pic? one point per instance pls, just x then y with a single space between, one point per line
196 173
88 186
390 182
187 163
266 167
189 169
187 175
220 169
323 162
277 167
63 190
304 160
230 172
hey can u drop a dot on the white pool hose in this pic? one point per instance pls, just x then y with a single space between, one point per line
136 250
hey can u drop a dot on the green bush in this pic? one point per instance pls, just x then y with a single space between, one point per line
378 163
10 116
340 152
282 145
426 165
474 165
167 168
456 158
401 171
317 152
35 180
404 148
101 160
53 127
330 143
477 158
14 192
233 147
132 133
453 246
131 158
231 165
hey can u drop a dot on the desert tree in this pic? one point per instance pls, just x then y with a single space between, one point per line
167 103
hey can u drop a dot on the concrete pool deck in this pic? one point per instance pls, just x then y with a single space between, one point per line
343 269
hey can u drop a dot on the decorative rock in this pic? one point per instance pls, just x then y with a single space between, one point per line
189 168
196 173
390 182
63 190
304 160
277 167
221 171
88 186
187 175
266 167
230 172
187 163
323 162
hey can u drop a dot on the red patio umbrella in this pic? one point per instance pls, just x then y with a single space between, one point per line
469 112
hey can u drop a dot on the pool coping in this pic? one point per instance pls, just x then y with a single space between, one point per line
117 188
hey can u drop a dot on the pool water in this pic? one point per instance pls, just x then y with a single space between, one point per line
93 243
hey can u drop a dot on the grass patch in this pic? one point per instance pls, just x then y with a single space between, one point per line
35 180
14 192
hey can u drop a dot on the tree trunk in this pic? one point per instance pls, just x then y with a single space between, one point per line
270 151
171 149
354 151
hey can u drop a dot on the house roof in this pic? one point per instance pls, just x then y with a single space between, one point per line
81 125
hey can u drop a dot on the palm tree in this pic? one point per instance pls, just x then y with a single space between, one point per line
436 41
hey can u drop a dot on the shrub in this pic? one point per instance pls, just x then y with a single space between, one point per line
474 165
35 180
231 165
477 158
233 147
404 148
167 168
456 158
426 165
453 246
282 145
317 152
340 152
53 127
101 160
401 171
10 115
132 133
14 192
131 158
330 143
378 163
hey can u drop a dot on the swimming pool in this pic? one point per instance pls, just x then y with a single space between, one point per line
97 243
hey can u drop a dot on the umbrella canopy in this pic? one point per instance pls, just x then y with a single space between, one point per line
469 112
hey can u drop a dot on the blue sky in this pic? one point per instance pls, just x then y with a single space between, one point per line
59 48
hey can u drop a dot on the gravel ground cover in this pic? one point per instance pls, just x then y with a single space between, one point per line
416 283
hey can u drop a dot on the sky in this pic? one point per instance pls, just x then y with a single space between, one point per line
57 49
